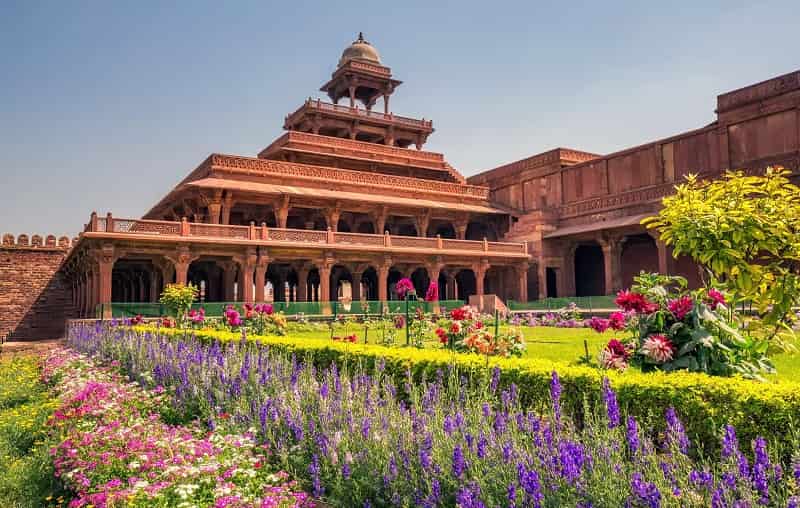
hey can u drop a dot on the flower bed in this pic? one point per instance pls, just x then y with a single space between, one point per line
461 438
766 409
118 452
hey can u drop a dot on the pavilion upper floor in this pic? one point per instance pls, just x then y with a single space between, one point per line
232 190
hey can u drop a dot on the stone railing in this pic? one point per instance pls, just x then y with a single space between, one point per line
250 165
319 105
263 234
351 144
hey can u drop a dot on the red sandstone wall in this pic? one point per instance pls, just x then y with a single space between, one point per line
35 300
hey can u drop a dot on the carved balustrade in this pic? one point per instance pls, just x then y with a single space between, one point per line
144 229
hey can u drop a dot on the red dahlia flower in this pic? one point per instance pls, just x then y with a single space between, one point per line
617 348
716 297
628 301
680 307
599 325
616 321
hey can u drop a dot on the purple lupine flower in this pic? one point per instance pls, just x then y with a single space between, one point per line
345 470
512 495
425 452
760 467
482 443
571 458
314 471
701 479
529 481
459 463
555 395
449 425
646 493
365 428
612 408
730 445
632 434
676 435
495 379
794 502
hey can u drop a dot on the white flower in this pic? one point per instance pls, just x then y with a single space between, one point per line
658 348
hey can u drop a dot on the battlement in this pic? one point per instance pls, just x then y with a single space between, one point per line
49 242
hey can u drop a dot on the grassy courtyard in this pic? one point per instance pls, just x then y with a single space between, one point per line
565 345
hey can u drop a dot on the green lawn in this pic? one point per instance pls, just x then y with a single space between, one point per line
557 344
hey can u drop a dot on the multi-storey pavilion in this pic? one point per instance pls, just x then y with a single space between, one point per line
346 196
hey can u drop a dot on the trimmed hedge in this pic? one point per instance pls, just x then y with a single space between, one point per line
704 403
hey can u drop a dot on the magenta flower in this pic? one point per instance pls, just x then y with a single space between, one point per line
716 297
599 325
433 292
680 307
403 286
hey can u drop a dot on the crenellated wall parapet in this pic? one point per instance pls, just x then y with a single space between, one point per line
35 241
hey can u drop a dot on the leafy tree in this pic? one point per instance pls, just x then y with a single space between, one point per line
178 298
745 231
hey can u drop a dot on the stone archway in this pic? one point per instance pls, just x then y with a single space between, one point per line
467 285
589 270
443 229
207 277
341 283
421 280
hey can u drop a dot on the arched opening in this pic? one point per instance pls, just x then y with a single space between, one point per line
465 281
479 231
420 279
341 283
394 276
639 253
533 282
135 281
295 222
366 227
444 229
552 282
207 277
343 226
406 230
312 291
589 270
369 284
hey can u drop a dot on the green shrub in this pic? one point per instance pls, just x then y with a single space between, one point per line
705 403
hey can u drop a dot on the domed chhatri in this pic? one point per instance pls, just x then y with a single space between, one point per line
360 50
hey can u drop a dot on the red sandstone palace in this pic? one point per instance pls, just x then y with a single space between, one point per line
347 196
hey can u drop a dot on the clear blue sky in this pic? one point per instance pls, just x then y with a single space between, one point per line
105 105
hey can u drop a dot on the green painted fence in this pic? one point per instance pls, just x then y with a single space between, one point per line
583 303
216 309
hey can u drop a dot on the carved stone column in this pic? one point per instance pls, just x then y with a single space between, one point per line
422 221
383 279
104 259
434 268
261 273
247 265
282 211
542 270
324 268
451 288
356 286
521 272
332 217
181 260
612 248
227 204
380 220
480 270
460 225
302 283
665 259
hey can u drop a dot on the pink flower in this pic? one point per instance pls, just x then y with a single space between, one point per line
403 286
433 292
616 321
630 301
716 297
608 360
599 325
680 307
658 348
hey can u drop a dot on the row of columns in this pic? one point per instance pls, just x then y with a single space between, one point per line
219 210
611 247
94 285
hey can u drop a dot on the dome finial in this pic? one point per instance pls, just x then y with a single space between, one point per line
360 36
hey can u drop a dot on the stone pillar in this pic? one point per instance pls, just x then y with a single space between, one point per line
105 264
665 265
325 281
422 221
282 212
183 258
566 275
542 269
82 295
90 294
332 217
480 274
261 273
522 282
356 286
380 220
383 281
214 209
302 284
247 264
461 228
611 261
227 204
228 280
